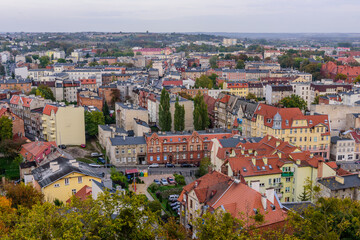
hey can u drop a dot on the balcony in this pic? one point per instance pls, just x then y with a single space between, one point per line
287 174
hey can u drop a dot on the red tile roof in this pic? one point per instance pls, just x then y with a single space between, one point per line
31 150
48 108
82 194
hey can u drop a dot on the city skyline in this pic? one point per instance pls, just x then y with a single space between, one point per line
259 16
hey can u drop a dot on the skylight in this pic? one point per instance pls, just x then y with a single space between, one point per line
270 166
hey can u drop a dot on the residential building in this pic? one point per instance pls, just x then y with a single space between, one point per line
123 150
303 91
23 85
237 88
62 178
37 151
342 149
308 132
274 93
140 128
331 69
125 114
181 147
340 187
226 63
218 192
64 124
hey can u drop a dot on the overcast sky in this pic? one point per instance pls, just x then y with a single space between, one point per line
181 15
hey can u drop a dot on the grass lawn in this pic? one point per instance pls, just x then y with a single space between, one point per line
86 160
9 168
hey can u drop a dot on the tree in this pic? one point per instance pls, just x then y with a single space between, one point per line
43 91
115 96
92 120
93 64
357 79
164 111
304 196
23 195
28 59
108 119
201 118
104 63
7 216
179 116
2 70
251 96
61 60
340 76
10 148
13 75
44 61
6 128
240 64
294 101
204 82
173 230
205 163
213 62
35 57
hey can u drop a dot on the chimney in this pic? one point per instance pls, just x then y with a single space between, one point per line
74 163
265 160
255 185
264 201
124 137
339 179
253 161
270 194
54 166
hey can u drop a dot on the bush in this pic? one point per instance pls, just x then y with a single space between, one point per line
158 195
155 206
180 179
153 187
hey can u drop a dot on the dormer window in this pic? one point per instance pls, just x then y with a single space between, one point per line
269 120
287 122
311 122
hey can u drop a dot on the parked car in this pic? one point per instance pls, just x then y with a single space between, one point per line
157 181
83 145
176 208
62 146
109 165
173 198
95 154
101 160
186 165
169 165
163 181
171 180
95 165
357 162
174 204
154 165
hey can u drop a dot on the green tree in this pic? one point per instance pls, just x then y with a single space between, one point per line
179 116
164 111
104 63
61 60
44 61
305 195
35 57
28 59
6 128
92 120
13 75
294 101
43 91
213 62
201 118
115 96
357 79
340 76
23 195
93 64
251 96
108 119
2 70
240 64
205 163
204 82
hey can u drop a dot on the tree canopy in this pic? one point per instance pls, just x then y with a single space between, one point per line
6 127
179 116
44 61
43 91
294 101
92 120
204 82
201 118
164 111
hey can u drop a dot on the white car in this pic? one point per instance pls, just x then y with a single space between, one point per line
154 165
95 154
163 181
95 165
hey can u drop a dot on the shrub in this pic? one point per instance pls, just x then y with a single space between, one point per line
155 206
153 187
180 179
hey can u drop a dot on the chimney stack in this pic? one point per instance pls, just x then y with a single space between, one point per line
54 166
255 185
270 194
264 201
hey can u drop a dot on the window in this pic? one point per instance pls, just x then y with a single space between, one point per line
288 179
124 159
151 158
57 185
287 189
184 156
73 191
117 151
315 139
158 149
170 149
79 179
191 203
129 159
205 146
134 159
157 141
198 156
165 140
198 147
192 140
191 156
262 184
129 151
158 158
170 139
123 150
67 181
141 149
134 150
184 148
177 148
151 150
165 158
191 148
197 140
165 149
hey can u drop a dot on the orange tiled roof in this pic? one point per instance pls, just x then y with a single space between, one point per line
83 193
48 108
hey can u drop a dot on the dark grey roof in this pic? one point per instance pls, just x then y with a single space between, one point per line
130 106
108 128
298 207
230 142
12 81
45 176
141 122
350 181
335 139
123 140
281 88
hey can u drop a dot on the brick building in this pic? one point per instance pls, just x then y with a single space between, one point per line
109 77
16 84
330 70
226 63
186 147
